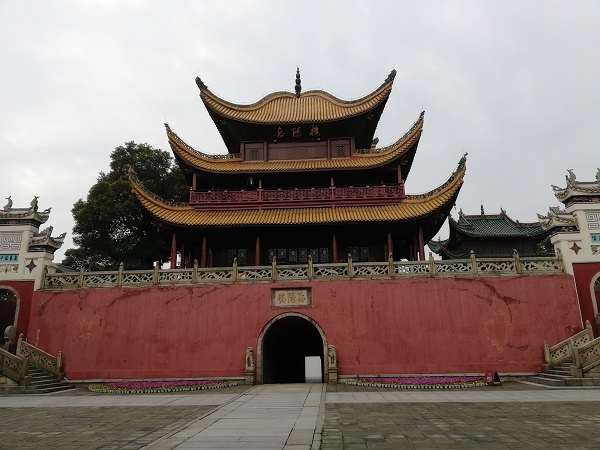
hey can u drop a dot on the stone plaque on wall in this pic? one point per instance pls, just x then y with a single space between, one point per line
290 298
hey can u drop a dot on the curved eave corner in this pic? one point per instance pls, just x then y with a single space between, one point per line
232 163
287 107
413 207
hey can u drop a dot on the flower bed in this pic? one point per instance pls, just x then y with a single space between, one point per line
156 387
419 382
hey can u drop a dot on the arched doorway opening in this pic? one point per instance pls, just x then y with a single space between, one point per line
283 346
8 308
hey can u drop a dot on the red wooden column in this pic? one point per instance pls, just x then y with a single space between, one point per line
257 252
203 255
173 252
421 245
334 250
390 245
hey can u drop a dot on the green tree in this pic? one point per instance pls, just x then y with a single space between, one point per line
111 226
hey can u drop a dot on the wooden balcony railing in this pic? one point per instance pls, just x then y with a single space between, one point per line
278 198
350 270
39 358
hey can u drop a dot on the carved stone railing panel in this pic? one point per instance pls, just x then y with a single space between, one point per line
39 358
292 272
393 269
174 276
64 280
106 279
564 350
372 269
332 270
496 266
215 275
411 268
138 277
453 266
549 265
589 354
254 273
14 367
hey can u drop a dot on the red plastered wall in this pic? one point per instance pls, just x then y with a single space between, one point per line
378 327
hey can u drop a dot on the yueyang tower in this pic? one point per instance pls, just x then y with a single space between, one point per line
302 179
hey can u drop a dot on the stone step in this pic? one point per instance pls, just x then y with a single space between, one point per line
566 373
554 376
541 379
48 390
583 382
43 382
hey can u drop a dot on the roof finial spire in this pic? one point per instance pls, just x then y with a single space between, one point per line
298 85
482 211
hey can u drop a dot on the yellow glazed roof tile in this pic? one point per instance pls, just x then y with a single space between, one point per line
286 107
412 207
230 163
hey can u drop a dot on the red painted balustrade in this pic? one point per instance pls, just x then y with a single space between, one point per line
294 198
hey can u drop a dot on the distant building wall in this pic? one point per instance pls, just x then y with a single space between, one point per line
408 326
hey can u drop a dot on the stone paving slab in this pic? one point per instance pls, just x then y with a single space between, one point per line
563 425
296 417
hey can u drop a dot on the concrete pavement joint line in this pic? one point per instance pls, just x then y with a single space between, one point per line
197 419
316 442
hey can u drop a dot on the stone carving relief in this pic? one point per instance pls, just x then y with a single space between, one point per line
593 220
10 240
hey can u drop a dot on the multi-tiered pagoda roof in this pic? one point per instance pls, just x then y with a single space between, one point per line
299 159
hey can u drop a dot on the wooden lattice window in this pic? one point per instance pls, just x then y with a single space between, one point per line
254 154
239 253
340 151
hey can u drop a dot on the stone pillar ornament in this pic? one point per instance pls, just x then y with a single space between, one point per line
250 369
332 364
10 334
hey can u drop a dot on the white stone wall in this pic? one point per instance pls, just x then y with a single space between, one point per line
16 262
584 245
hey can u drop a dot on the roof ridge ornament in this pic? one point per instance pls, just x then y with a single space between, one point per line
298 86
391 76
598 175
201 85
9 204
571 178
34 204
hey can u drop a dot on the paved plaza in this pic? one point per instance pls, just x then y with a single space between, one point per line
306 416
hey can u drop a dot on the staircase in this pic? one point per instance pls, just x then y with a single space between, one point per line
43 382
567 362
559 375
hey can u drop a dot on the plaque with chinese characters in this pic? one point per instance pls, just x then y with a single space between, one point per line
290 298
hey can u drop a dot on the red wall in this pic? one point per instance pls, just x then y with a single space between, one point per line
584 274
24 292
378 327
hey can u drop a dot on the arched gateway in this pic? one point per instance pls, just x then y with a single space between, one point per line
284 343
9 308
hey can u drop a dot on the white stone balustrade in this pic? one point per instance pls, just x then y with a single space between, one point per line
473 267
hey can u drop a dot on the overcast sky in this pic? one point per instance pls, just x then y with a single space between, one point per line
513 83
